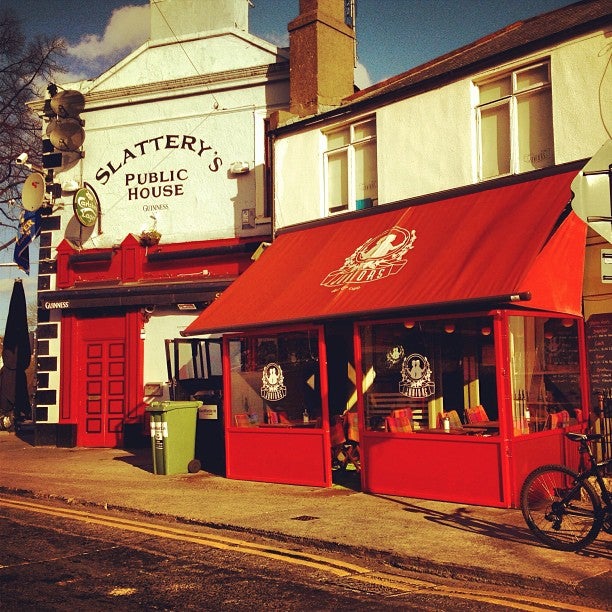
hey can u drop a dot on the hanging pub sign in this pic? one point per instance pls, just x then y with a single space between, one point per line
416 377
86 206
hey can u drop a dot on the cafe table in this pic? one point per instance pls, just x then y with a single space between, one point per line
457 431
297 424
487 425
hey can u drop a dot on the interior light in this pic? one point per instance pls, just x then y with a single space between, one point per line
449 328
548 335
409 324
567 322
486 330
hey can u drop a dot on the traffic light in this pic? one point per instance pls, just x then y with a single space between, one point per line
65 133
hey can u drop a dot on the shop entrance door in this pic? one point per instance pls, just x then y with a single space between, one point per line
102 386
342 399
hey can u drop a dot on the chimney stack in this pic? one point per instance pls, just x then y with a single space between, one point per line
322 55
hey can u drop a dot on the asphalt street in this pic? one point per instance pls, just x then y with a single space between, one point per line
479 544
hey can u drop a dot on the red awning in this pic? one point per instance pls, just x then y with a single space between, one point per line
481 247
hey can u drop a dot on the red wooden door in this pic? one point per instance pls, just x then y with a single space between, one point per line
102 385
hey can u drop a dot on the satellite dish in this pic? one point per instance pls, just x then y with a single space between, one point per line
33 192
68 103
66 134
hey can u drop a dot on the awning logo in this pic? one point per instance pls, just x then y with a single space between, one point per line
377 258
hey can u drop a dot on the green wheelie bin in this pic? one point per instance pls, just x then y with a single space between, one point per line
173 436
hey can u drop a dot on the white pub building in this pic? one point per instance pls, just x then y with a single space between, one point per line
177 204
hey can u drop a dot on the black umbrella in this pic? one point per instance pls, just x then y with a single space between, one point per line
16 356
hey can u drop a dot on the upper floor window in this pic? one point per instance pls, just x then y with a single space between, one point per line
515 122
350 166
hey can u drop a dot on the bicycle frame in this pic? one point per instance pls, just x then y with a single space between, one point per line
563 508
596 470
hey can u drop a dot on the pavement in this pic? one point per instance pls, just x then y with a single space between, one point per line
472 543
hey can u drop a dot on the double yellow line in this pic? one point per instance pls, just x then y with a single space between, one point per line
339 569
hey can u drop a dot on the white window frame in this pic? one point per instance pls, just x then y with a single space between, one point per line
511 100
349 148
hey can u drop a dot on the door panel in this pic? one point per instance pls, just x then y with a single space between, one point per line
104 383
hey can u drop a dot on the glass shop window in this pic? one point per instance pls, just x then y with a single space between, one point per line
545 373
419 373
275 380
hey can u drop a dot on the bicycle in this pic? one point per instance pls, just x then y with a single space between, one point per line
562 507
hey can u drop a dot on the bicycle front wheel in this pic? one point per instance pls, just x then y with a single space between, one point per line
561 511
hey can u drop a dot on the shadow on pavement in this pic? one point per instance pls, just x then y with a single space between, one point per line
139 458
461 518
25 432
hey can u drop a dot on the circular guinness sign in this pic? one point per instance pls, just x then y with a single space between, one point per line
86 206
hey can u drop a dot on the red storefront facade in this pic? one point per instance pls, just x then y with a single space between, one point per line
424 309
106 298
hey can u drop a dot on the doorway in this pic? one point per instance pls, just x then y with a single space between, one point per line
195 371
101 381
342 399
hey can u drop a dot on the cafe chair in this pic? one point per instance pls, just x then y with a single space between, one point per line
453 417
352 439
476 414
578 415
283 417
399 424
557 419
245 420
344 438
276 416
338 443
272 416
402 413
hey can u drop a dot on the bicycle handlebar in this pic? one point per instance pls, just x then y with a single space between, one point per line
581 437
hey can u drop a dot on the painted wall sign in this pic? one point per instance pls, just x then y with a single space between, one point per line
160 143
86 206
154 189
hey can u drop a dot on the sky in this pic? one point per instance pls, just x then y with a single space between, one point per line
392 36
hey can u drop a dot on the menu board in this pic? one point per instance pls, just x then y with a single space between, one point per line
599 347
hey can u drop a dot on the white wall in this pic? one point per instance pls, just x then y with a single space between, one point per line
424 143
298 178
166 151
173 115
427 143
582 97
189 57
162 324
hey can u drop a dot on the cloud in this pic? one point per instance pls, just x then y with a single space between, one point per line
127 29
